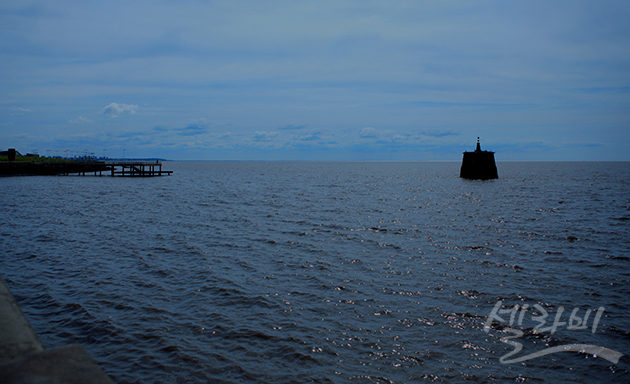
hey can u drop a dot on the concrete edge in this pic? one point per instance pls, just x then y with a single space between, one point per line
17 337
69 365
24 360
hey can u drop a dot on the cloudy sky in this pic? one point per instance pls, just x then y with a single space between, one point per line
316 80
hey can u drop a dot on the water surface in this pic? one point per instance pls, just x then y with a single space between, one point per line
284 272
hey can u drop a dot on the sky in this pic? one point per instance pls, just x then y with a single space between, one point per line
316 80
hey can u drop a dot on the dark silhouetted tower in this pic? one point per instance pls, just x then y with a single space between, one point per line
479 165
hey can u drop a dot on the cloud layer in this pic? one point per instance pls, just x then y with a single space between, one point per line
292 80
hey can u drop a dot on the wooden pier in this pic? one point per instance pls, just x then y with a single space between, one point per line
136 168
98 168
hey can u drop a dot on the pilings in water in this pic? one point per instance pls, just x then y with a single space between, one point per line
113 168
137 169
479 165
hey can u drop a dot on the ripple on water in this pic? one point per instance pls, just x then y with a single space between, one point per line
242 272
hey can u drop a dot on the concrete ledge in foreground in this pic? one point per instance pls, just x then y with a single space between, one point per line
17 338
24 360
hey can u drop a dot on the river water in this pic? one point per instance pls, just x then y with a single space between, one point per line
296 272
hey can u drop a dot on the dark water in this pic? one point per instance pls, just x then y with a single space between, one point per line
247 272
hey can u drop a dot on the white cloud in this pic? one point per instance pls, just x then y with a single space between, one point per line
439 134
197 127
292 127
310 136
384 135
115 109
368 133
20 109
80 120
264 136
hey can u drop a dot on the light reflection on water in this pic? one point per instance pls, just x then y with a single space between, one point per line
320 272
